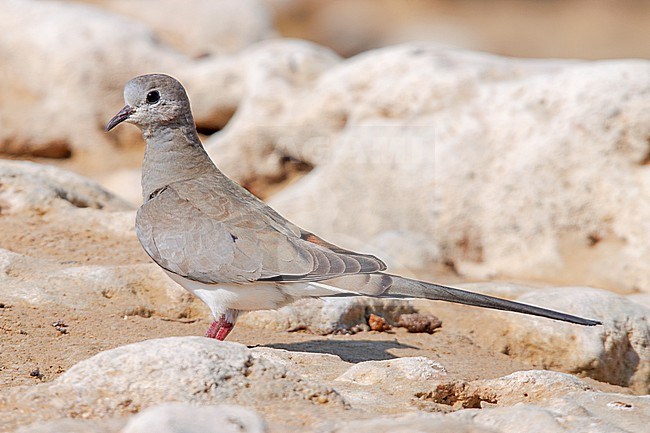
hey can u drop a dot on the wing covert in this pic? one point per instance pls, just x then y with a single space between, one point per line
224 239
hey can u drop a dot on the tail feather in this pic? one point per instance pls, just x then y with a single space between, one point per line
393 286
420 289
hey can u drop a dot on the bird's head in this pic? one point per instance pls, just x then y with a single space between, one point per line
154 99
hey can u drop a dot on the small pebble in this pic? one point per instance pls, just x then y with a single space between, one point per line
60 326
378 323
620 405
420 323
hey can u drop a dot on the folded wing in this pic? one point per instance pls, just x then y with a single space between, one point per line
221 241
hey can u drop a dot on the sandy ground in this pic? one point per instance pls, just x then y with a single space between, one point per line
34 350
39 343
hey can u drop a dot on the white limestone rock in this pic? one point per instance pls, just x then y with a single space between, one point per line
185 369
200 27
134 377
328 315
616 352
272 76
67 241
411 423
574 413
31 187
528 387
454 148
531 401
303 363
186 418
640 298
111 425
56 100
394 372
47 283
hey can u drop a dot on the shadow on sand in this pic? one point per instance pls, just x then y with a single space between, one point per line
349 351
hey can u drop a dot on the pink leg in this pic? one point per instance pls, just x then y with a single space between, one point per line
220 328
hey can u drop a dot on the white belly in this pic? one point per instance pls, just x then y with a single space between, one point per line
252 296
245 297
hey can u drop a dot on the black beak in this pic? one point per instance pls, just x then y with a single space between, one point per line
119 118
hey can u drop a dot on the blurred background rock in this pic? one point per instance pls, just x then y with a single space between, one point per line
414 129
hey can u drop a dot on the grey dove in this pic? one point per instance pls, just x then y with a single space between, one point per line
220 242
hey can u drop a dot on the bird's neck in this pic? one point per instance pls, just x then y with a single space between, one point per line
174 153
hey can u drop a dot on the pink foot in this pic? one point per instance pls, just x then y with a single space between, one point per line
220 329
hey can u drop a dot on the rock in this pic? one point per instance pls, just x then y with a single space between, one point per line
540 401
111 425
418 423
30 187
397 248
43 283
528 387
378 323
185 369
513 419
393 372
47 261
186 418
198 373
419 109
193 370
201 27
327 315
535 401
576 412
302 363
367 386
272 75
114 49
616 352
420 323
640 298
45 87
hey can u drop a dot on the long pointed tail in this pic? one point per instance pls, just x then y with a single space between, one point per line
420 289
393 286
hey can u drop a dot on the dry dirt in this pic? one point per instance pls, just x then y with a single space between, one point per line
33 350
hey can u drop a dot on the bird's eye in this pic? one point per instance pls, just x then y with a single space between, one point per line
153 97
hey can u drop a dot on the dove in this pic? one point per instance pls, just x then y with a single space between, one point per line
233 251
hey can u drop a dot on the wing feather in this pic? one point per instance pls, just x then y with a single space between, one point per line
235 238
